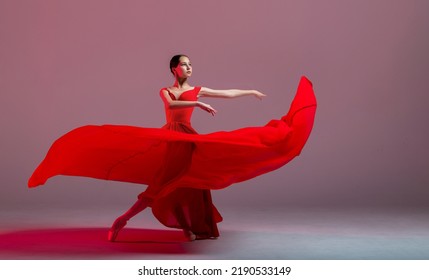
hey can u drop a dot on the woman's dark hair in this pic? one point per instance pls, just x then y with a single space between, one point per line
175 60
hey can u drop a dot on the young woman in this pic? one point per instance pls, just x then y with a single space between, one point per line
188 208
179 166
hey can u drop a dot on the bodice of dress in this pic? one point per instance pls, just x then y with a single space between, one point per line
181 115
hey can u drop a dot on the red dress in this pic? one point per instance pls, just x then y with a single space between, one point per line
178 165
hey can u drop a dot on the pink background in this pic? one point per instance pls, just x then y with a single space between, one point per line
65 64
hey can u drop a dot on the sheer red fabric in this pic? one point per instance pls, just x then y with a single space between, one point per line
178 165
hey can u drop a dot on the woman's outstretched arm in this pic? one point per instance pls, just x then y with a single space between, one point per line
228 93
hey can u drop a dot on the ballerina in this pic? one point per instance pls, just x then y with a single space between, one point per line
179 101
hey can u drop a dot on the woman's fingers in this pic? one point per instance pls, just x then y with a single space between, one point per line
207 108
259 95
211 110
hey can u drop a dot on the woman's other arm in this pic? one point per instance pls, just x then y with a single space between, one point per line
228 93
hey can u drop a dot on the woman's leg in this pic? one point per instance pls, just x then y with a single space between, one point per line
141 204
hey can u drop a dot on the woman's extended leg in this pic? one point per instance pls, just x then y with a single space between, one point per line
141 204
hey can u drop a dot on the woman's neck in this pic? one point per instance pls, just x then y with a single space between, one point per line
181 83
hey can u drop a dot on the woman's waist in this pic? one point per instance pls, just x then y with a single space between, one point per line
180 126
184 122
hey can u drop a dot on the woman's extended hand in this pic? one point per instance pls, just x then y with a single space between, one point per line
258 94
207 107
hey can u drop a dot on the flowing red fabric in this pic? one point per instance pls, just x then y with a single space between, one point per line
178 165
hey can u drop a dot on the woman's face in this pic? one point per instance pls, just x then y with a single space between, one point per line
184 68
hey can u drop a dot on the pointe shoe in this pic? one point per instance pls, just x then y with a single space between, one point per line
189 235
118 224
204 236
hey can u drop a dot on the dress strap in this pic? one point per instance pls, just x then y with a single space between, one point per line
170 93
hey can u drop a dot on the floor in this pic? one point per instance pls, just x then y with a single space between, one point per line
293 234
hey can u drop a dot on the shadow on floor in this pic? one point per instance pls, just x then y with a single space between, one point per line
91 243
